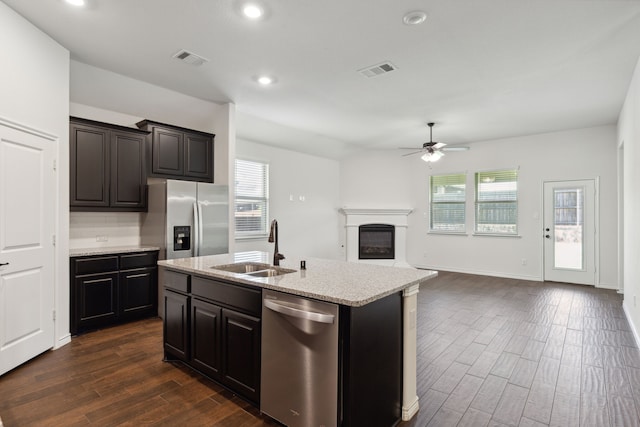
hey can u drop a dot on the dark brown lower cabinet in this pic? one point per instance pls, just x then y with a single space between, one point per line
215 328
205 337
138 293
241 353
97 300
111 289
176 324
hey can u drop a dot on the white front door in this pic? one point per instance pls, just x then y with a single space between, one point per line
570 231
27 219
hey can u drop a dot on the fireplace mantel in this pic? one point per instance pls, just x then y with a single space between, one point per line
355 217
375 211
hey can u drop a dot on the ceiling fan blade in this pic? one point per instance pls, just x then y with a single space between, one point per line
455 148
415 152
438 145
410 148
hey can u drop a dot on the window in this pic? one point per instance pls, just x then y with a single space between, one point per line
497 202
252 198
447 207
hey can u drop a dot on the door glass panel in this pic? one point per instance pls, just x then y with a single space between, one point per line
568 228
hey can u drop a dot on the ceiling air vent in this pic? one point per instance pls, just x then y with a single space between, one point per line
190 58
376 70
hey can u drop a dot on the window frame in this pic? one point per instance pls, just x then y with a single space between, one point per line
240 198
433 230
478 202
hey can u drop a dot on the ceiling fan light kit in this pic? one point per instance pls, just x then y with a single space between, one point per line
432 156
432 151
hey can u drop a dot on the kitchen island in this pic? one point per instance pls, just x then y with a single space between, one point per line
206 299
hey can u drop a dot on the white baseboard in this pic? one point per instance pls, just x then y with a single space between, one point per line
62 341
481 272
613 288
409 411
625 308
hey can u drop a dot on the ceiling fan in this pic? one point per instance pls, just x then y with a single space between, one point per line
432 150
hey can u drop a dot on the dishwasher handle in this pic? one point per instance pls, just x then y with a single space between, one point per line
296 312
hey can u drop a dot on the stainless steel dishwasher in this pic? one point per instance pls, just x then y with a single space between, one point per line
299 383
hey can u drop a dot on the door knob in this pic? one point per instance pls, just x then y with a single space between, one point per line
546 229
2 264
547 236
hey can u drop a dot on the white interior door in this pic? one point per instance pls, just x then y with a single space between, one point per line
27 218
570 231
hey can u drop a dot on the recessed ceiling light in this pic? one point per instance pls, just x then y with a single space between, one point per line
252 11
265 80
416 17
76 2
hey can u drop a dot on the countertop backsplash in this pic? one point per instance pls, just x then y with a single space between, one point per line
104 229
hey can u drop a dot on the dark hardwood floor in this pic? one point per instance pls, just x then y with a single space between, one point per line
505 352
116 376
491 352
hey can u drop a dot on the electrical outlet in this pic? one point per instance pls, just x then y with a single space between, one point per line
524 261
102 239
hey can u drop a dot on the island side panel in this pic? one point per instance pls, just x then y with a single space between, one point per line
410 404
372 363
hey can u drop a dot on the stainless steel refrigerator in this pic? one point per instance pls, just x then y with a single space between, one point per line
186 219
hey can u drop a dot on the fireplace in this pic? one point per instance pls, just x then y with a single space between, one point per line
376 241
387 218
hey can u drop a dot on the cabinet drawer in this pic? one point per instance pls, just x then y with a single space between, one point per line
245 299
96 265
138 260
175 281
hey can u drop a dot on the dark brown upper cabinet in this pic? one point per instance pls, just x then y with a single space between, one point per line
107 167
178 153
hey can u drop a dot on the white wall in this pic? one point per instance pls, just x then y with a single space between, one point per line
386 179
35 92
629 135
305 228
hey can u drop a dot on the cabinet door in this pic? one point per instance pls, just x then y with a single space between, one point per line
176 325
138 293
205 337
128 174
96 300
167 152
89 174
198 154
241 353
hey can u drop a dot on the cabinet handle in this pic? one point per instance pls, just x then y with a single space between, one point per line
2 264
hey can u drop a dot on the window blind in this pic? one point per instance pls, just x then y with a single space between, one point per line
251 198
497 202
447 202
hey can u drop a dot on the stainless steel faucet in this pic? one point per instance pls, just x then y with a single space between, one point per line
273 238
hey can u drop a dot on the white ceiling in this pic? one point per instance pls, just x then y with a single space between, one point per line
479 69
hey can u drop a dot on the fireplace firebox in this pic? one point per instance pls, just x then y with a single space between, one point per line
376 241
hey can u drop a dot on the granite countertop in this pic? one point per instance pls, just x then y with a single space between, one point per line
110 250
341 282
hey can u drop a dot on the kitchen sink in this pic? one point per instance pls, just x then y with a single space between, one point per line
253 269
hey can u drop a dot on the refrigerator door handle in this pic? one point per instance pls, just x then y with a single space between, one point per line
196 230
200 228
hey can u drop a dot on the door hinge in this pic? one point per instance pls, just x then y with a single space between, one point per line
53 239
54 314
55 165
